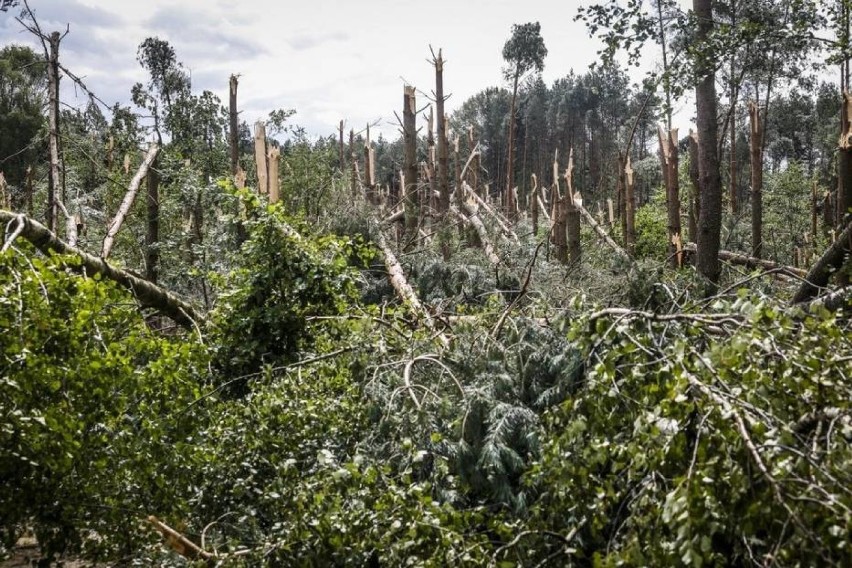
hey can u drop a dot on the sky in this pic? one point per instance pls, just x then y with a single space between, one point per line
328 59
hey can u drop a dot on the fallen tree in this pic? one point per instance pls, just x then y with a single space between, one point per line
820 273
752 262
128 200
147 294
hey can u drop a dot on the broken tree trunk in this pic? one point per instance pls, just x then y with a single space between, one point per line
843 201
534 205
820 273
409 182
54 182
669 158
233 134
629 206
152 233
128 200
274 185
260 157
403 289
443 169
472 217
148 294
602 233
558 216
751 262
756 153
572 214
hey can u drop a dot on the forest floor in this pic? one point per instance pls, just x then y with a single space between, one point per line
27 553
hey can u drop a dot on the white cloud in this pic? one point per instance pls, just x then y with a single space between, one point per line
329 59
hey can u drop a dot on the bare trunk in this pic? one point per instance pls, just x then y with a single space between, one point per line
152 236
558 216
274 185
233 121
572 214
129 198
710 216
843 201
752 262
602 233
534 205
756 151
54 183
830 262
509 200
409 184
443 171
669 156
341 161
629 207
260 158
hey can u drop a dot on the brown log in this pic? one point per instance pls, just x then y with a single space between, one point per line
832 259
128 200
148 294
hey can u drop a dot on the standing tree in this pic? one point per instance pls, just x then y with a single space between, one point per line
523 52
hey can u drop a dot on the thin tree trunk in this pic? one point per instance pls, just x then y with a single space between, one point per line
472 217
534 205
756 151
260 157
54 183
152 236
669 157
274 183
752 262
509 203
843 202
629 207
148 294
233 121
341 161
572 214
602 233
734 197
443 171
558 216
410 182
710 215
128 200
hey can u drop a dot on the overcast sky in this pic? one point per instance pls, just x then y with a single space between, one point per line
328 59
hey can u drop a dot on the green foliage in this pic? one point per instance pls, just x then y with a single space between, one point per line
275 300
90 437
524 51
703 440
651 232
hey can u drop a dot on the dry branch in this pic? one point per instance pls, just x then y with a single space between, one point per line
147 294
504 228
180 543
128 200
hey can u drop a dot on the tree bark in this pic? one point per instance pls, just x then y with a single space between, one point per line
472 217
558 216
629 207
602 233
260 158
534 205
843 201
152 235
128 200
443 171
572 214
410 182
274 183
148 294
756 151
340 158
54 183
233 134
669 159
710 216
752 262
509 201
